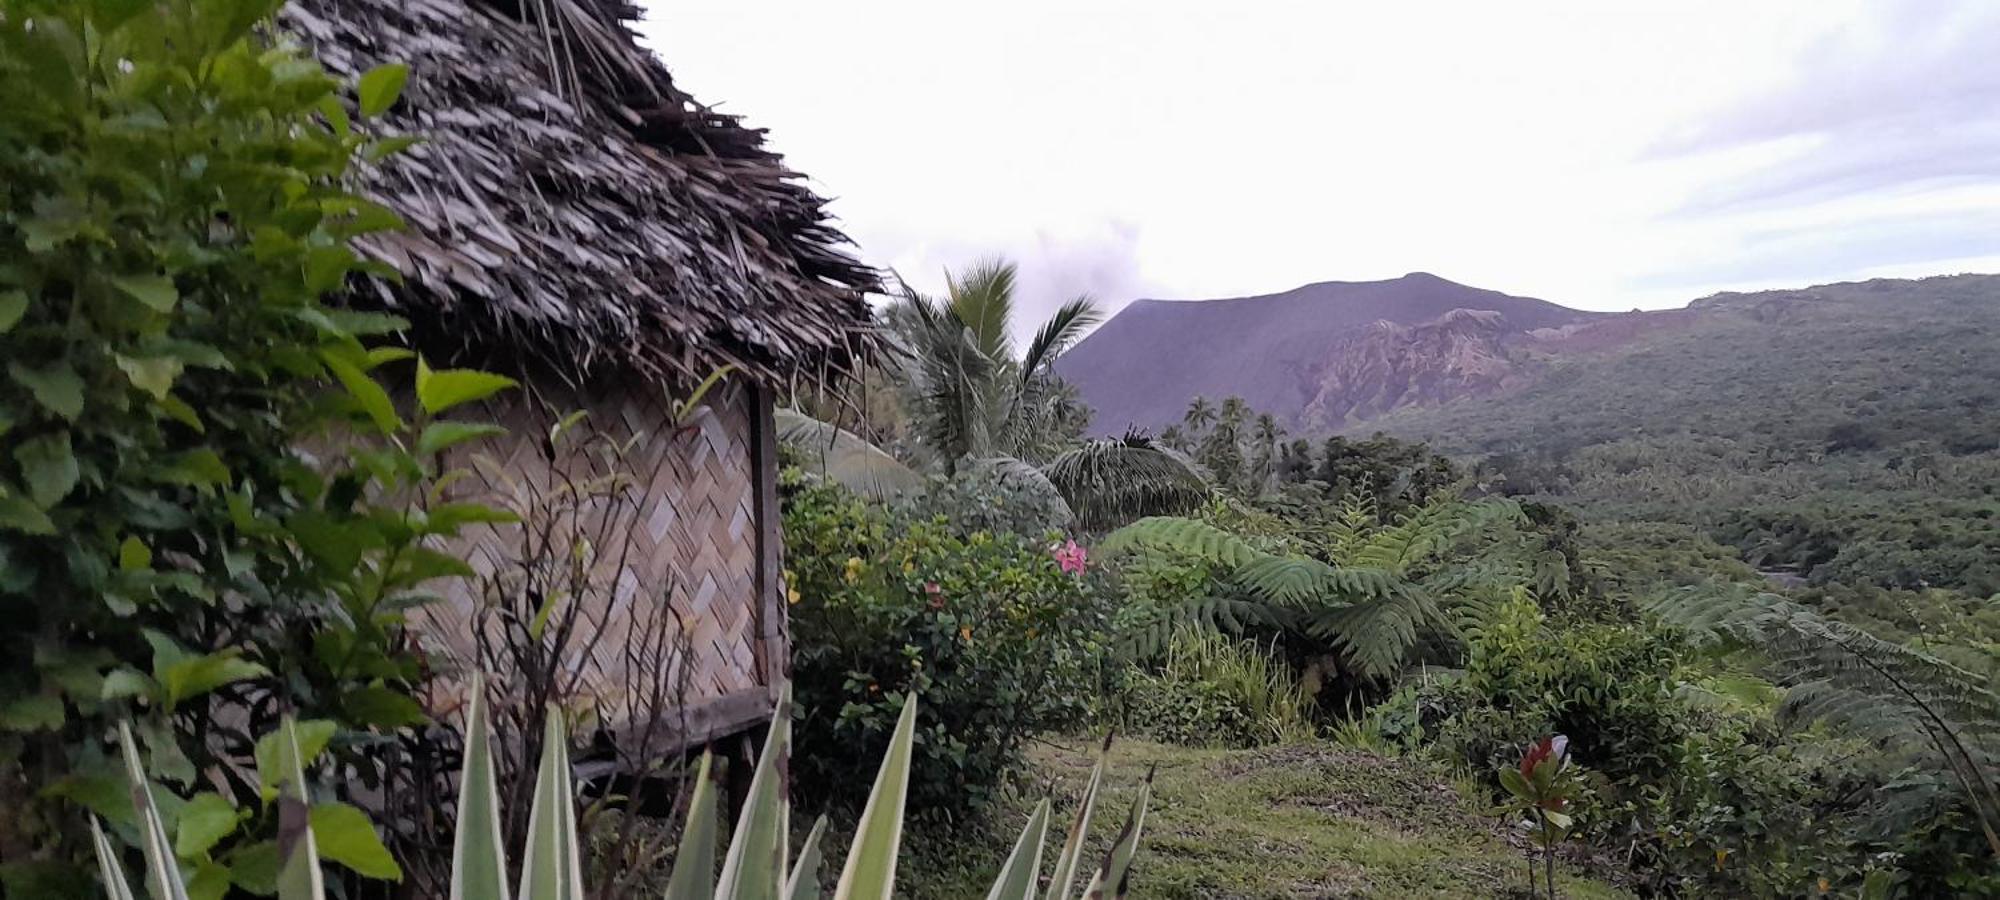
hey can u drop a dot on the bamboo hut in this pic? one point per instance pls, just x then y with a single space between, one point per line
578 222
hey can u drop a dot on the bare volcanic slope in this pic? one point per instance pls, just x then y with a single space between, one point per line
1328 353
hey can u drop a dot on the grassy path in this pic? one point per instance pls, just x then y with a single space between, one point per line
1287 822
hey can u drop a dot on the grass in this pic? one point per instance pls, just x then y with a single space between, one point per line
1305 820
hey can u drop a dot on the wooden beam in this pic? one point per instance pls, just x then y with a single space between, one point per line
774 644
701 723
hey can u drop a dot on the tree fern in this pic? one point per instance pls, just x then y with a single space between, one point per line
1378 593
1898 696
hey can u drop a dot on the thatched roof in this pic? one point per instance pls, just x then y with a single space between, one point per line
572 209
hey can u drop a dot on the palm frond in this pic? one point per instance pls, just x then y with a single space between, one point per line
1061 330
835 453
982 302
1111 482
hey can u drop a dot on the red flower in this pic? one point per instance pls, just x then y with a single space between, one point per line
1554 747
936 593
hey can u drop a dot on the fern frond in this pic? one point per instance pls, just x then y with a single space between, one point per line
1377 635
1188 537
1229 615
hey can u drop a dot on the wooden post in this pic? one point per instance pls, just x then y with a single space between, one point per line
773 630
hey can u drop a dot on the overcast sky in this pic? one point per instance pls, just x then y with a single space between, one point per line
1600 155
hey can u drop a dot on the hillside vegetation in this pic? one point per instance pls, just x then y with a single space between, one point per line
1850 431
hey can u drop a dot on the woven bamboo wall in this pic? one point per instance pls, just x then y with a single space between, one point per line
686 543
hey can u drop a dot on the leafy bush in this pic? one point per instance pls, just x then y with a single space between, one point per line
987 626
1609 688
1211 690
174 215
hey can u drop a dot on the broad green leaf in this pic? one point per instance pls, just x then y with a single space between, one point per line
35 712
122 683
134 555
254 868
49 468
438 436
804 883
381 707
383 148
163 877
194 677
153 374
1017 879
373 400
157 292
109 869
478 854
179 411
344 835
447 518
311 737
200 467
694 864
13 305
758 839
56 386
1069 861
441 390
380 86
207 819
870 873
299 877
551 868
1114 878
18 514
210 881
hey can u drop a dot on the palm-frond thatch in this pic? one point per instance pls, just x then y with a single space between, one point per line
571 208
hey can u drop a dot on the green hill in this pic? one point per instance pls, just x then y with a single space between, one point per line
1849 431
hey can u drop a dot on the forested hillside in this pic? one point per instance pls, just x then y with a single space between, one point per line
1849 431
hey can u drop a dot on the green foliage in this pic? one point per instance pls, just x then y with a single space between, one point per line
999 640
208 498
1610 688
1211 690
1113 482
1375 590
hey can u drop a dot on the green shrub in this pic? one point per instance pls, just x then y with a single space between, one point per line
1609 688
998 639
174 212
1215 691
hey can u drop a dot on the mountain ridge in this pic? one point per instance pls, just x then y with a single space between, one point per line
1279 351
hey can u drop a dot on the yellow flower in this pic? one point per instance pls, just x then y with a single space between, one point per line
1824 885
792 595
909 566
1720 856
965 632
853 573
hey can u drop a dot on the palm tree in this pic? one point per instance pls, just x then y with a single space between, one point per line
968 394
1268 433
1173 438
972 405
1199 416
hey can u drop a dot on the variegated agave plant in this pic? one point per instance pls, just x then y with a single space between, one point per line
758 864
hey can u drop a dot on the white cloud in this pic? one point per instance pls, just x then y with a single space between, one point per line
1599 155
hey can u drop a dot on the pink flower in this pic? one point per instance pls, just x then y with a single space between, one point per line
1071 558
936 593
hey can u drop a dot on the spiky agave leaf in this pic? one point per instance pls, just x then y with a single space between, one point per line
299 877
1069 861
163 874
478 854
1113 879
870 872
804 883
694 864
551 867
754 866
1016 880
109 869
